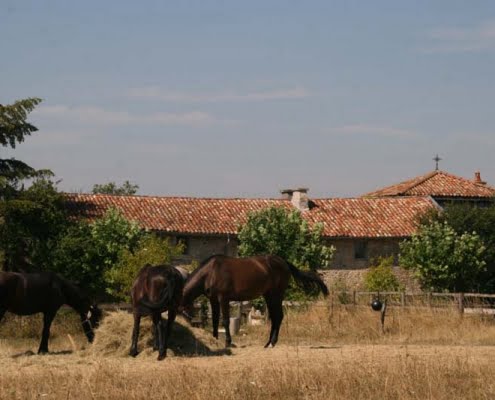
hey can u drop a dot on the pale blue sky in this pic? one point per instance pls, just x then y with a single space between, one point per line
243 98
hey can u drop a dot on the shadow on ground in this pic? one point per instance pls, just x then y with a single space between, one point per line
183 342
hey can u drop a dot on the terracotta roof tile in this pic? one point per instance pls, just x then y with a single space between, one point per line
436 184
357 217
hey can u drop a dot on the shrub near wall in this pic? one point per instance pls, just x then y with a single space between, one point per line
150 250
380 277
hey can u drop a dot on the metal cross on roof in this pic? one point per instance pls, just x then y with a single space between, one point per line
436 159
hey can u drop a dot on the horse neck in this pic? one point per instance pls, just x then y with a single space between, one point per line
194 287
74 298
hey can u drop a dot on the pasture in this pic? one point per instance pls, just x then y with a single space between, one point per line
323 353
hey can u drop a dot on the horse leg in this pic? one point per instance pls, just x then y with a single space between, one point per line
154 329
133 352
277 316
226 321
269 305
158 323
170 320
47 322
215 315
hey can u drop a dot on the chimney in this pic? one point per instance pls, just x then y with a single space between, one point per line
298 197
477 178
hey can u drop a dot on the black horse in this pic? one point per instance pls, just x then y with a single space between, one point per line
156 290
223 279
45 292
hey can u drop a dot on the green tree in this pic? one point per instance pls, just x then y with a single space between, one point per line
380 277
13 130
89 249
442 259
127 188
152 250
31 218
275 230
471 218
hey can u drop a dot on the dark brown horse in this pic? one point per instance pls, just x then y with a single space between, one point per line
45 292
223 279
156 290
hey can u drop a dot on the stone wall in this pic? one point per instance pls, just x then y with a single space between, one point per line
200 247
353 279
344 256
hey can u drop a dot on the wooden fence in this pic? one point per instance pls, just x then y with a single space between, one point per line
464 302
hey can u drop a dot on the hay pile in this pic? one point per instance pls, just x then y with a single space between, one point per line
113 338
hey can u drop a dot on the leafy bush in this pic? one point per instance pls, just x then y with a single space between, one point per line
275 230
470 218
444 260
87 250
150 250
380 277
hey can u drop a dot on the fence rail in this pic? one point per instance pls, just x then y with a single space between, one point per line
461 301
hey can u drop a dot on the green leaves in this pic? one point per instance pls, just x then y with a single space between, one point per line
443 259
381 277
127 188
13 125
150 250
275 230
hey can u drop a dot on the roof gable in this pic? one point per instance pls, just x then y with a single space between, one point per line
436 184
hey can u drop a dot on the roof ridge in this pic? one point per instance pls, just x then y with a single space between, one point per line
172 197
408 183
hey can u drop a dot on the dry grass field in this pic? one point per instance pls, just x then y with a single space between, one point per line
323 353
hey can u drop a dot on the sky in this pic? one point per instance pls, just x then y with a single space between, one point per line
244 98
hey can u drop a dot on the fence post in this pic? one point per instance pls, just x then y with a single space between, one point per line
460 303
428 299
403 299
354 297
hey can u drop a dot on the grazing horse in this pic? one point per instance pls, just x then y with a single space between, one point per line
223 279
156 290
45 292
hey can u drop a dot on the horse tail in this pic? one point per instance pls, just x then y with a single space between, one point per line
308 279
166 297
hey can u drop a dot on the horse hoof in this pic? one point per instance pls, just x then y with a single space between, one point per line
133 353
161 357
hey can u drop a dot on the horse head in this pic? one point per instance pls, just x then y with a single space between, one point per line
91 321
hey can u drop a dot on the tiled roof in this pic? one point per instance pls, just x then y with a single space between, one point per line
369 217
436 184
358 217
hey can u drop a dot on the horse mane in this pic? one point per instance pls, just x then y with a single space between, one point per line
75 296
202 264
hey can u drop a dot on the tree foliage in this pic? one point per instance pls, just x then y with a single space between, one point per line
275 230
444 260
30 218
127 188
152 250
380 277
14 128
470 218
88 250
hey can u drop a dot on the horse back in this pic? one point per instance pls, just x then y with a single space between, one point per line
30 293
245 278
152 281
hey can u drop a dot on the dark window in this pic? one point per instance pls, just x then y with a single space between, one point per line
361 250
184 240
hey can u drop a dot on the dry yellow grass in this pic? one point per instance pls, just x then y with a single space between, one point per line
321 355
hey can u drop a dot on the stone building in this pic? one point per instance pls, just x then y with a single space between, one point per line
361 229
